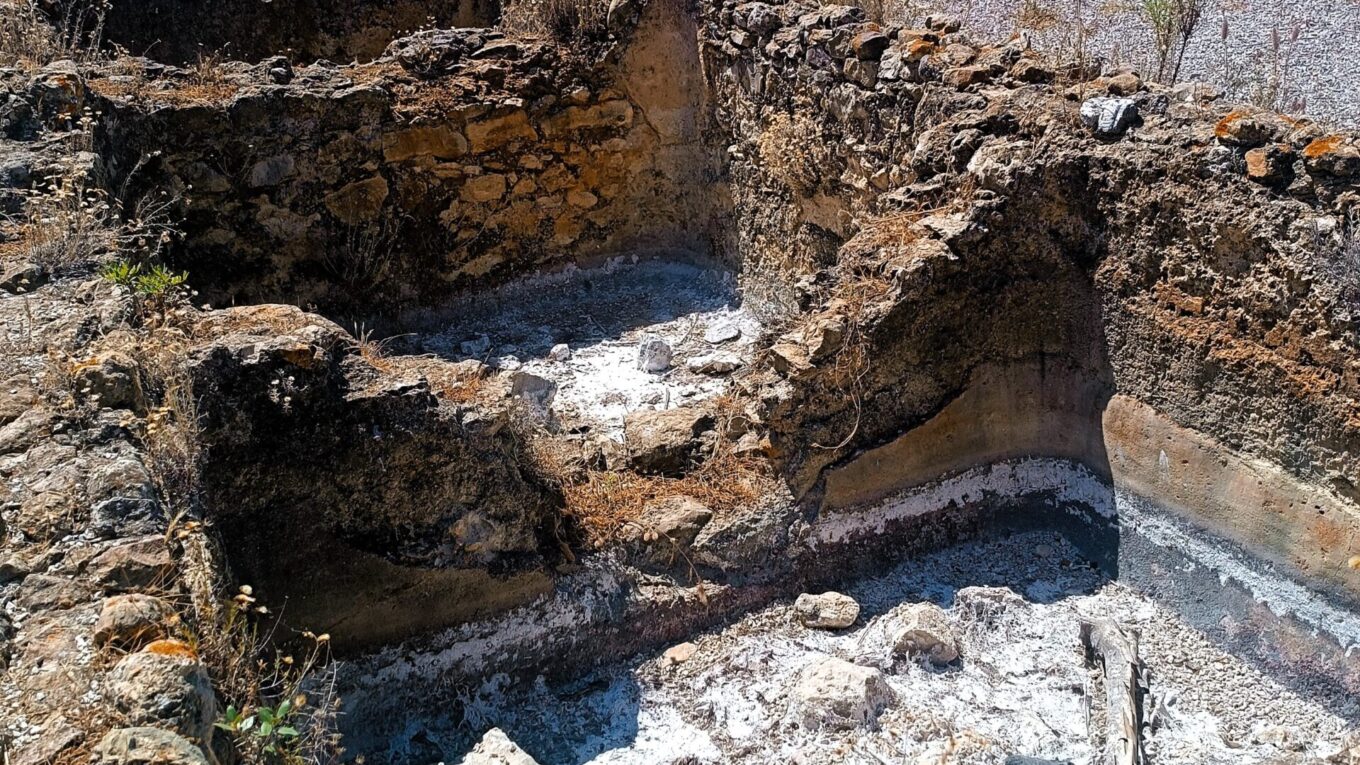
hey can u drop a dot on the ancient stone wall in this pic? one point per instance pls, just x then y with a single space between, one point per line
180 32
461 157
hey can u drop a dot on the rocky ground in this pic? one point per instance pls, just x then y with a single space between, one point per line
592 334
998 672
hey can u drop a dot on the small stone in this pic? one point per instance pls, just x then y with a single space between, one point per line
679 654
539 391
1124 84
1271 163
560 352
924 629
834 694
721 332
20 278
496 748
715 364
827 611
674 520
146 746
111 379
484 188
654 354
131 621
1109 116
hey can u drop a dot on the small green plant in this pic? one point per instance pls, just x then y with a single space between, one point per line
122 273
269 725
159 281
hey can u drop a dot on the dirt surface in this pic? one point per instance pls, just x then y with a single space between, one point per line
1020 686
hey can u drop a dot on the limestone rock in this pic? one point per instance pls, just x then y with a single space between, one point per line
829 610
713 364
155 688
924 629
1270 164
538 391
721 332
496 748
834 694
1109 117
359 202
665 441
146 746
130 621
676 520
560 352
18 278
679 654
654 354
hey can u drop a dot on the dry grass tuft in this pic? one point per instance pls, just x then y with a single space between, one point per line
605 503
792 148
563 20
31 39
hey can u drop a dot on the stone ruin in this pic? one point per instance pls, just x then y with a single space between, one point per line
509 358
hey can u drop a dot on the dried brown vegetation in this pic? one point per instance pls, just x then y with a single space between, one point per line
564 20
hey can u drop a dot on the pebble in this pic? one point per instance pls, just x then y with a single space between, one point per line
654 354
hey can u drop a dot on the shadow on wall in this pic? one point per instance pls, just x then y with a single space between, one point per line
186 31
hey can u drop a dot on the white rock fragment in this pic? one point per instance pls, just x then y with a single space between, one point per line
496 748
654 354
721 332
560 352
924 629
832 693
1109 116
679 654
713 364
829 610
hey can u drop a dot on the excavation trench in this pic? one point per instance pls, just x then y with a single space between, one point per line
1246 666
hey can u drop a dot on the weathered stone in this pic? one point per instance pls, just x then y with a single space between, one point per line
133 564
1332 156
131 621
532 388
614 114
721 332
55 735
834 694
923 629
1250 128
484 188
1124 84
654 354
110 379
500 130
22 277
1031 71
964 76
42 592
1270 164
1109 117
714 364
674 520
146 746
679 654
359 202
665 441
438 141
272 171
154 687
828 611
560 352
496 748
870 44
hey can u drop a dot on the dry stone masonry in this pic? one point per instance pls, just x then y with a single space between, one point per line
506 363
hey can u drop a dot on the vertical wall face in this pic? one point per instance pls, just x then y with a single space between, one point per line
397 184
182 31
